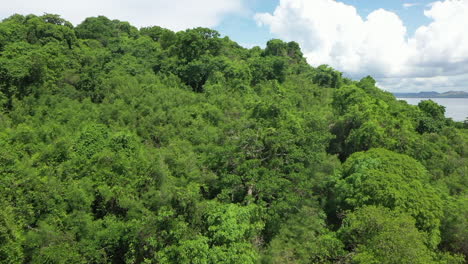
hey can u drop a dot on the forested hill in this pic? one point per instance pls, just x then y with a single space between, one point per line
126 145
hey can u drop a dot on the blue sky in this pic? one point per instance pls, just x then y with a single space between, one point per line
407 45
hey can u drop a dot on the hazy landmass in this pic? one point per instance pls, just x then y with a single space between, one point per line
450 94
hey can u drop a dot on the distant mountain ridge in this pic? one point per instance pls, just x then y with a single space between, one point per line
449 94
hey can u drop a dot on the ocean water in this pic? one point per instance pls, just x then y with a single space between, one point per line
456 108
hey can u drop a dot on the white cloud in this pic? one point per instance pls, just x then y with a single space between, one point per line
175 14
333 33
408 5
419 84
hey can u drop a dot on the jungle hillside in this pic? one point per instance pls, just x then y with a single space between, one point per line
143 145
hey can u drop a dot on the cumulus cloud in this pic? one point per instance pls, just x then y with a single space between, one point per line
333 33
175 14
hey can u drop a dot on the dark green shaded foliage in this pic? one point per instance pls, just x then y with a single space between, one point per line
432 118
327 77
304 238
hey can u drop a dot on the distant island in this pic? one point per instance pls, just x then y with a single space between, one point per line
449 94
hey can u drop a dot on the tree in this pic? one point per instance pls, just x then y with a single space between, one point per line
164 36
291 50
50 28
105 30
276 47
22 66
304 238
396 181
454 227
326 76
268 68
231 229
376 234
193 43
432 118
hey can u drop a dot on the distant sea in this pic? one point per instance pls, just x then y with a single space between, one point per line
456 108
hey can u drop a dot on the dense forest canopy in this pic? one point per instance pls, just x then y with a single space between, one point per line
127 145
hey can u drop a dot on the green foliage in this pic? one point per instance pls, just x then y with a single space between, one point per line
455 226
304 238
160 35
378 235
432 118
277 47
11 236
193 43
105 30
367 117
126 145
384 178
327 77
22 66
268 68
